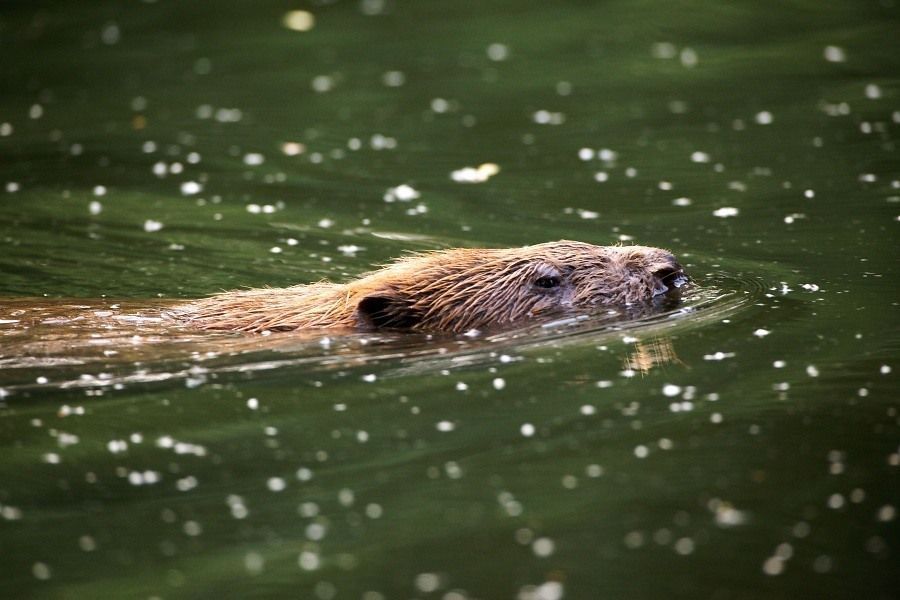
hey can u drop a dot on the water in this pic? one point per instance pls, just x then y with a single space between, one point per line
743 444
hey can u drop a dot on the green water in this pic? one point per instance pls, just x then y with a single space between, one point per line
745 444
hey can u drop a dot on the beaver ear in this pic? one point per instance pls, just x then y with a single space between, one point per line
387 312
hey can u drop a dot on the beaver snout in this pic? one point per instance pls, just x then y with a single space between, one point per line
670 277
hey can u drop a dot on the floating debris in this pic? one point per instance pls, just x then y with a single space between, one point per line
478 174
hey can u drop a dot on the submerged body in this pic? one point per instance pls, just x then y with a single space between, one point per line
451 290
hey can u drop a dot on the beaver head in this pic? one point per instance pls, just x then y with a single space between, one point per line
462 289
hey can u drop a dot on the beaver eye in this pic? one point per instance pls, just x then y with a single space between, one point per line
547 282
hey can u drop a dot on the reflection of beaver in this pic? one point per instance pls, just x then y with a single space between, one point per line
451 290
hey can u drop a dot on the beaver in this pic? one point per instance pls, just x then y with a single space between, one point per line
453 290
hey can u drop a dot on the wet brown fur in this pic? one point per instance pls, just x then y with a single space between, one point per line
448 290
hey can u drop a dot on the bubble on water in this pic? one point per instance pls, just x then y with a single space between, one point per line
834 54
308 560
887 513
593 471
641 451
237 507
873 91
689 57
634 539
346 497
498 383
440 105
822 564
315 531
41 571
812 370
671 390
700 157
773 566
192 528
6 129
374 511
601 176
298 20
585 154
228 115
725 212
276 484
527 429
190 188
588 409
254 563
664 50
117 446
110 34
293 148
304 474
445 426
254 159
684 546
10 513
543 547
764 118
836 501
87 543
427 582
325 223
401 193
607 155
761 333
884 369
322 83
550 590
36 111
498 52
678 107
682 201
546 117
393 78
186 484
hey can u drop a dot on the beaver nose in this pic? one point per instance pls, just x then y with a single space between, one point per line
671 275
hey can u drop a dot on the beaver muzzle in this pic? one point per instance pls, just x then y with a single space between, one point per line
669 279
